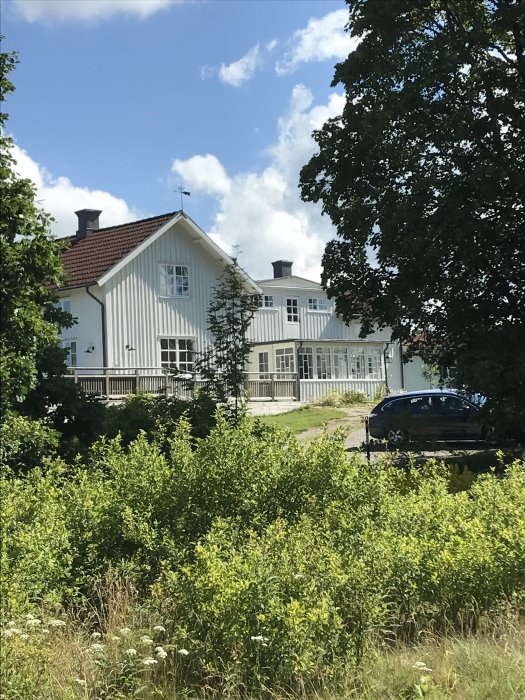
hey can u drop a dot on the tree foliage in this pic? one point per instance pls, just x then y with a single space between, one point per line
230 313
29 261
423 176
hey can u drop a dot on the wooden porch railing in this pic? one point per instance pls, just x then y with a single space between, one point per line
117 383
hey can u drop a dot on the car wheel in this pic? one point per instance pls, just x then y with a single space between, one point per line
397 437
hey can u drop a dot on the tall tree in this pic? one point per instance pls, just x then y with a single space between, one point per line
223 365
423 176
30 261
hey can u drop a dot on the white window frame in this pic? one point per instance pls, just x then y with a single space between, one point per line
318 304
285 360
292 310
171 350
64 304
306 363
323 362
266 301
264 364
172 280
71 347
341 365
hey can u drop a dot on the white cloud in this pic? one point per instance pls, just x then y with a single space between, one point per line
320 40
60 198
242 70
262 212
204 173
85 10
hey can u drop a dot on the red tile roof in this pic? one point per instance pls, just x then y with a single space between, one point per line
89 259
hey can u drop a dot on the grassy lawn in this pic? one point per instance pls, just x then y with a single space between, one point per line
304 418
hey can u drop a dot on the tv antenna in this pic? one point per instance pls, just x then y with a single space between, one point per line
182 191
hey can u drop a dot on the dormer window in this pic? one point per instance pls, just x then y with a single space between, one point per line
174 280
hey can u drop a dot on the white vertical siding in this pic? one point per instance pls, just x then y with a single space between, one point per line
138 314
87 331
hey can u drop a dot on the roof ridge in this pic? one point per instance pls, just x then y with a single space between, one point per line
139 221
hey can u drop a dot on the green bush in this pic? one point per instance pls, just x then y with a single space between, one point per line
347 398
274 563
157 417
25 443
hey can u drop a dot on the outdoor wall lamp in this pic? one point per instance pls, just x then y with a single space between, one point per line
89 348
130 347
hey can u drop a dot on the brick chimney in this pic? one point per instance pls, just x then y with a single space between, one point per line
87 221
282 268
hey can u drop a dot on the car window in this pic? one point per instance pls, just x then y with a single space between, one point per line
420 404
397 405
451 404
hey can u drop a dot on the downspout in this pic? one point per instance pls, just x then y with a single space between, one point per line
402 366
103 323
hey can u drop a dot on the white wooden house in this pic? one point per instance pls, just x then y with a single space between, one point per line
296 330
140 292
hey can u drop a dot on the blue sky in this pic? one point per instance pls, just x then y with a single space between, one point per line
118 102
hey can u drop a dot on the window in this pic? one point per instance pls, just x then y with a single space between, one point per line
284 360
64 305
306 363
357 363
174 281
176 353
375 363
323 363
292 311
71 347
265 301
318 304
341 363
264 366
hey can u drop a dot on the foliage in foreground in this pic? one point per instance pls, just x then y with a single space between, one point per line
274 564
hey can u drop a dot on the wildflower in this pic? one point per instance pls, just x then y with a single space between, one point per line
24 636
96 635
149 661
421 666
125 631
33 622
160 652
44 631
56 623
81 682
97 648
131 652
146 639
259 638
11 623
183 652
10 632
159 629
115 639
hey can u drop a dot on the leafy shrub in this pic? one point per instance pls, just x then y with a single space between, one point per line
35 549
157 417
347 398
277 563
25 443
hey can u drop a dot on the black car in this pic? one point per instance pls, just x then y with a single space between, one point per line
426 415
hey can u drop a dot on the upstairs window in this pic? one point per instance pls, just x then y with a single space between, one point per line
265 301
64 305
292 310
176 353
174 281
318 304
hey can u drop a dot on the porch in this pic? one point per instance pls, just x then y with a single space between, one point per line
118 383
